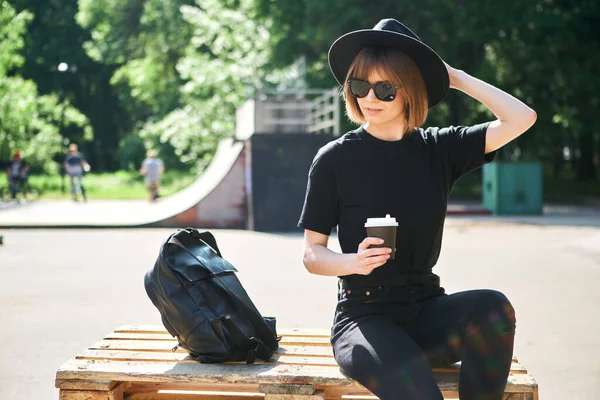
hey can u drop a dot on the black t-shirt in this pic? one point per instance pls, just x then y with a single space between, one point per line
359 176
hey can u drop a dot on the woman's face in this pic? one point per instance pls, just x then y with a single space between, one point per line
379 112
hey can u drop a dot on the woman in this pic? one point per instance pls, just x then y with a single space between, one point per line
393 320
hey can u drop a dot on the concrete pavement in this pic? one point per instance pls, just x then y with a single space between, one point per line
140 213
63 289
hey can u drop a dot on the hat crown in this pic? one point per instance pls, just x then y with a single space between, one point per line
392 25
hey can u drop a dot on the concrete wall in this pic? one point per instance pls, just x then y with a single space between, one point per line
279 173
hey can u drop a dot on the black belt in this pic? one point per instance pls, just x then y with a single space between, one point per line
357 282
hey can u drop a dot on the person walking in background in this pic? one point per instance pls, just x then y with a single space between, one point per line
75 166
17 172
152 169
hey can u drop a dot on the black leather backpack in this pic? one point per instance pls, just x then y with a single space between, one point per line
203 304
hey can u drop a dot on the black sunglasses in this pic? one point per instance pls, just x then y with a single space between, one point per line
384 91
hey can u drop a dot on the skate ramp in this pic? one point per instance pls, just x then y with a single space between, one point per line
217 199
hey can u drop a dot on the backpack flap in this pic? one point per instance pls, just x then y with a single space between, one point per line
197 260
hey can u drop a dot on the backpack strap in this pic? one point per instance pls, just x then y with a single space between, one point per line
257 347
206 237
254 316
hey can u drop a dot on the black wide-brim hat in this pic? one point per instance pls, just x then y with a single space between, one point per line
390 33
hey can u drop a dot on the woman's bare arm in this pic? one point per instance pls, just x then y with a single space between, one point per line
513 116
319 260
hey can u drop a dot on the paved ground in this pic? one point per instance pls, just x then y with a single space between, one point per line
137 213
61 290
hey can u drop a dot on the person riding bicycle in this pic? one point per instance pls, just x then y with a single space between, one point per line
152 169
75 165
18 173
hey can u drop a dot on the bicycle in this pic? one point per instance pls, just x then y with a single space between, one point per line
24 191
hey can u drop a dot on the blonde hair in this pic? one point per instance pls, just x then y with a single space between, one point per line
401 71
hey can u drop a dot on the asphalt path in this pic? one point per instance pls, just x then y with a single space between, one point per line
62 290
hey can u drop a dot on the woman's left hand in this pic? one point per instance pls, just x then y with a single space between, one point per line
453 74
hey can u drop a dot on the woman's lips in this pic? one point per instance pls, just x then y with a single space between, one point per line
372 110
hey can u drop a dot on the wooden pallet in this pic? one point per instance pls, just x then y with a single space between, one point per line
137 363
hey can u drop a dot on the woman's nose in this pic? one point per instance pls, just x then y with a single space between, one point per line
371 95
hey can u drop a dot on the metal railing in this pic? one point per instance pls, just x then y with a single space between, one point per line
315 111
325 113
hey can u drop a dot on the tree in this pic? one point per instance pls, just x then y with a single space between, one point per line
28 122
545 52
550 54
222 65
309 27
143 40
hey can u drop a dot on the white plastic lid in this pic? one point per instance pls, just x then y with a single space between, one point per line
387 221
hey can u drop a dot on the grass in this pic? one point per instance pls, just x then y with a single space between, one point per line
120 185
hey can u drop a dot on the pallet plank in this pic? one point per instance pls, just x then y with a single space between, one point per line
147 387
324 333
286 339
149 345
194 395
119 355
199 373
125 355
85 385
114 394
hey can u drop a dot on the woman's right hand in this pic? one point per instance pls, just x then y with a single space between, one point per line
368 259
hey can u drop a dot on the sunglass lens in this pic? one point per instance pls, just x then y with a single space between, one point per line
359 88
385 91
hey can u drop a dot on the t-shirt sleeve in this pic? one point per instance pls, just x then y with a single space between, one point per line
464 148
320 211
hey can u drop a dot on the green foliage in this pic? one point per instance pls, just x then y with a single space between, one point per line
131 153
545 52
549 54
222 63
29 122
146 39
12 27
170 75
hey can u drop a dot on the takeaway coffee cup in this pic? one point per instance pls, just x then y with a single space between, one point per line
384 228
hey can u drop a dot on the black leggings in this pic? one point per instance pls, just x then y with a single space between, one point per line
388 340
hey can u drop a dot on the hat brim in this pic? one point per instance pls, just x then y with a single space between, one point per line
345 49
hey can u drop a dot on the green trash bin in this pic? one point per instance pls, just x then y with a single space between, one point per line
513 188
